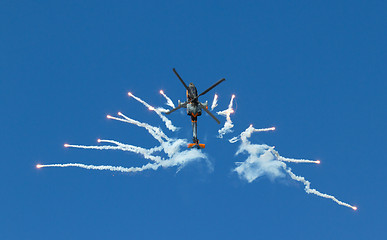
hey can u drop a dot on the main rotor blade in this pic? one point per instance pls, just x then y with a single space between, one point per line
209 113
216 84
181 80
177 108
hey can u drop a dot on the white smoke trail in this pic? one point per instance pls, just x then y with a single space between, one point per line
264 160
146 153
314 191
214 102
169 101
227 128
156 132
284 159
168 123
178 159
170 147
149 151
80 165
247 133
94 167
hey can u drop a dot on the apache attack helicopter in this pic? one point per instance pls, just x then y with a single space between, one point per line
194 108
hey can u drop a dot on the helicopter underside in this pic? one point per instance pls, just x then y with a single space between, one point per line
194 108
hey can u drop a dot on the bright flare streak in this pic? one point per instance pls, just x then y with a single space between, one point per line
284 159
169 101
174 149
130 94
214 102
168 123
314 191
264 160
297 160
228 125
101 167
148 151
171 147
124 147
247 133
177 159
264 129
95 147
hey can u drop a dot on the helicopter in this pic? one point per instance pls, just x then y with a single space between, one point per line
194 108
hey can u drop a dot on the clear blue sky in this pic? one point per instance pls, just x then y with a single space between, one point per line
316 70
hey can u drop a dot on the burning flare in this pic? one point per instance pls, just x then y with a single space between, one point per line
168 123
169 101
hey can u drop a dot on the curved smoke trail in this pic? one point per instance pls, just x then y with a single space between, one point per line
169 101
228 125
168 123
264 160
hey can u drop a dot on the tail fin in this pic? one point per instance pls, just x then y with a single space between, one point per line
190 145
196 145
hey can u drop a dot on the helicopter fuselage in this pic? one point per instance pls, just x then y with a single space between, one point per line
195 107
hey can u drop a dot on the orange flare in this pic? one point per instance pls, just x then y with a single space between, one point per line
354 208
39 166
98 140
161 92
108 116
233 96
151 108
130 94
66 145
318 162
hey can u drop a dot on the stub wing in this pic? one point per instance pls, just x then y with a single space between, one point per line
182 105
